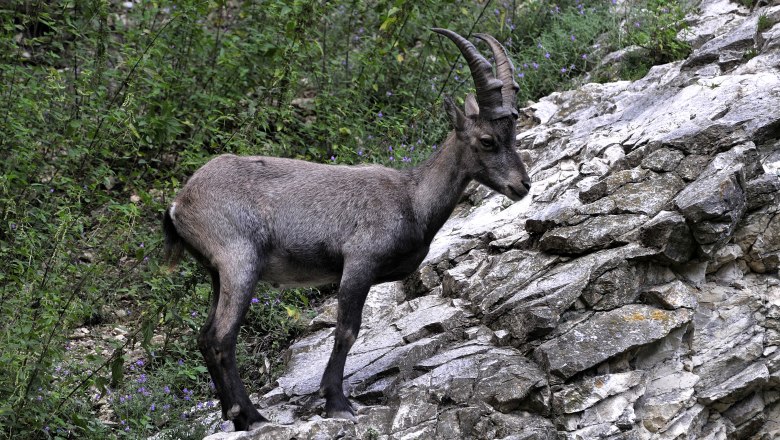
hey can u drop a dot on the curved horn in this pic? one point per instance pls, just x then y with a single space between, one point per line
489 95
505 71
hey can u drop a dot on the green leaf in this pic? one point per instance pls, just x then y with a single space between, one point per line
117 369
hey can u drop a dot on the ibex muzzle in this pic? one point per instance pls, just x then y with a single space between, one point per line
289 222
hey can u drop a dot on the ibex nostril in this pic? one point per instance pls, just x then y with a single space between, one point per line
527 184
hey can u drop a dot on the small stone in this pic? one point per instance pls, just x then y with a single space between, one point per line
663 160
673 295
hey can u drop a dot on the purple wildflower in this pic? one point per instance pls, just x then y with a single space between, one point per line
194 314
547 55
152 407
520 75
536 66
380 114
333 158
255 300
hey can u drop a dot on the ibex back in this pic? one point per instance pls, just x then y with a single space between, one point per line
289 222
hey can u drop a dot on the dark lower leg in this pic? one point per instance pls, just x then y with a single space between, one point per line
352 296
220 349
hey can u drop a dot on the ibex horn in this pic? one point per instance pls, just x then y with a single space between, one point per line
489 88
505 71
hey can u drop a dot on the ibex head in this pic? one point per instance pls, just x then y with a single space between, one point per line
486 129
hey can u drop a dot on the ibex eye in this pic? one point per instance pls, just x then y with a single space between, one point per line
488 143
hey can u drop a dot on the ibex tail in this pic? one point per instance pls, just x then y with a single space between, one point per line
174 246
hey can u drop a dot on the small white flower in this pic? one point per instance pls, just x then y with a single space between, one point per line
127 5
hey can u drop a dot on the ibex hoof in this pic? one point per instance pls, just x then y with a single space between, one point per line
233 412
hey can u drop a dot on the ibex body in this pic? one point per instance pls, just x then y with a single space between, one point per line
295 223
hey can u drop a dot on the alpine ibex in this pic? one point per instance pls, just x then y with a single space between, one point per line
295 223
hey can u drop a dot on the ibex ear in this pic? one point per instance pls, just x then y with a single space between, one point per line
472 108
457 118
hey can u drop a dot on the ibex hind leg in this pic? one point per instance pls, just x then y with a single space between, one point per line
237 281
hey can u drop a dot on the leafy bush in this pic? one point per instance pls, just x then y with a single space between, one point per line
106 107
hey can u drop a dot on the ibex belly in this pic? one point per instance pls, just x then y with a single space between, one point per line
285 272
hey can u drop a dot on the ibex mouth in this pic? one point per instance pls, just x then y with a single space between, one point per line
515 194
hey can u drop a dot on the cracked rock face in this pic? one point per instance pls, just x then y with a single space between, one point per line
633 295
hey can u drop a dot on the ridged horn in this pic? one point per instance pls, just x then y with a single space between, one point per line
505 71
489 94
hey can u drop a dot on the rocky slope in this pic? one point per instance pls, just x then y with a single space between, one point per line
634 295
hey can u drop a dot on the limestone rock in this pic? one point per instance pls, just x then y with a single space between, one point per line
627 327
713 205
593 234
669 233
587 392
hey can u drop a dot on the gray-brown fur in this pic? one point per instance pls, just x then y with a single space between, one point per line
292 223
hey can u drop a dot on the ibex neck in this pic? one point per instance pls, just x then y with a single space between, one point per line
439 184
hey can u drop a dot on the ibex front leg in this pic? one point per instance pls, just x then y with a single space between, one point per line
355 283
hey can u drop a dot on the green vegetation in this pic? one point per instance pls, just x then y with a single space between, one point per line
764 23
106 108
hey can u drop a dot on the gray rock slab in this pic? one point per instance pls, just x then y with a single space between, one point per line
647 197
665 397
432 315
713 206
668 232
739 40
762 191
606 334
593 234
663 160
587 392
737 386
673 295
